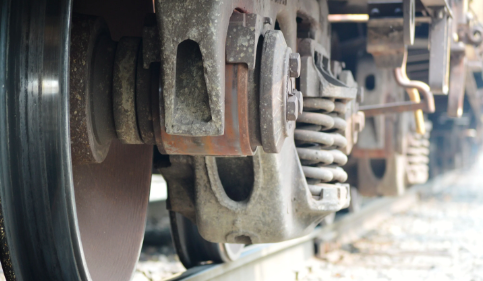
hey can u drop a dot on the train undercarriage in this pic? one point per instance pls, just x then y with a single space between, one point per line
263 117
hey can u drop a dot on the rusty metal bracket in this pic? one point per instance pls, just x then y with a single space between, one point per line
236 139
274 202
396 107
426 105
457 89
439 53
243 30
192 51
385 41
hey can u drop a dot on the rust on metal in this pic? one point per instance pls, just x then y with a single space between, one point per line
236 138
385 41
400 73
395 107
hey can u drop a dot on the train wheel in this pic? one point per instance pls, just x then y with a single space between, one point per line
193 250
61 220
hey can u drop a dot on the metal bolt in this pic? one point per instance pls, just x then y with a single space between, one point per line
294 65
292 108
294 105
267 20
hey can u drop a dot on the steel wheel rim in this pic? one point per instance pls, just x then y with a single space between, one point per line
42 237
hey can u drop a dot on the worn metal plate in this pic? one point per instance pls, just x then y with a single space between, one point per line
274 91
236 138
439 54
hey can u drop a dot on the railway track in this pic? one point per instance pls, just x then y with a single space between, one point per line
281 261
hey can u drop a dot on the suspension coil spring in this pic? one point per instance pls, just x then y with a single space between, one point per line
418 156
318 137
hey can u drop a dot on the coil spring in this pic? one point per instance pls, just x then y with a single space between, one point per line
318 137
417 170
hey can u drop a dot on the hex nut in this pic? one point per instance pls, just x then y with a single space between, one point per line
294 65
292 108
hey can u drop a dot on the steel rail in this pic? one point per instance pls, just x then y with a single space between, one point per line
280 261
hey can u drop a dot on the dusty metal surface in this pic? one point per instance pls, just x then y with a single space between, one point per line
202 27
199 23
243 36
180 178
92 124
147 81
279 192
277 180
284 261
236 139
150 35
316 77
244 91
124 90
330 124
274 90
360 245
385 41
